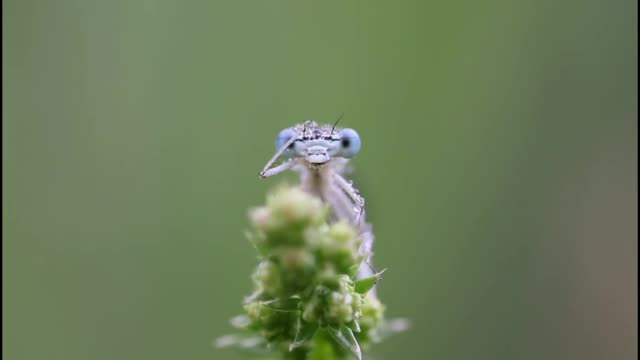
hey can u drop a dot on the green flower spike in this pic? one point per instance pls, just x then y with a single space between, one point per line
306 303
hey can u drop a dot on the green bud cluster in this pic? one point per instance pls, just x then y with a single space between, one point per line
304 284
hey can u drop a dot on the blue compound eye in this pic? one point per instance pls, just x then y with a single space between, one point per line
284 136
349 143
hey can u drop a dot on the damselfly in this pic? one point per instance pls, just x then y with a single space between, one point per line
320 154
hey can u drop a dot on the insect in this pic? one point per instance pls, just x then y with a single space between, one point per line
320 154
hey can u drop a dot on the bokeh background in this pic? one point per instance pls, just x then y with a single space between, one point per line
499 164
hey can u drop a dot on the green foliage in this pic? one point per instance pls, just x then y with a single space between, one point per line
363 286
306 304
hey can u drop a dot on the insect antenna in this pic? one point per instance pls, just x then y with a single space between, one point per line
336 123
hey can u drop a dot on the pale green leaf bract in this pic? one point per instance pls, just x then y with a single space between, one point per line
305 332
242 341
283 305
354 325
362 286
345 337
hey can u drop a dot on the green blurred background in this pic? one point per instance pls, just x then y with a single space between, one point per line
499 164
